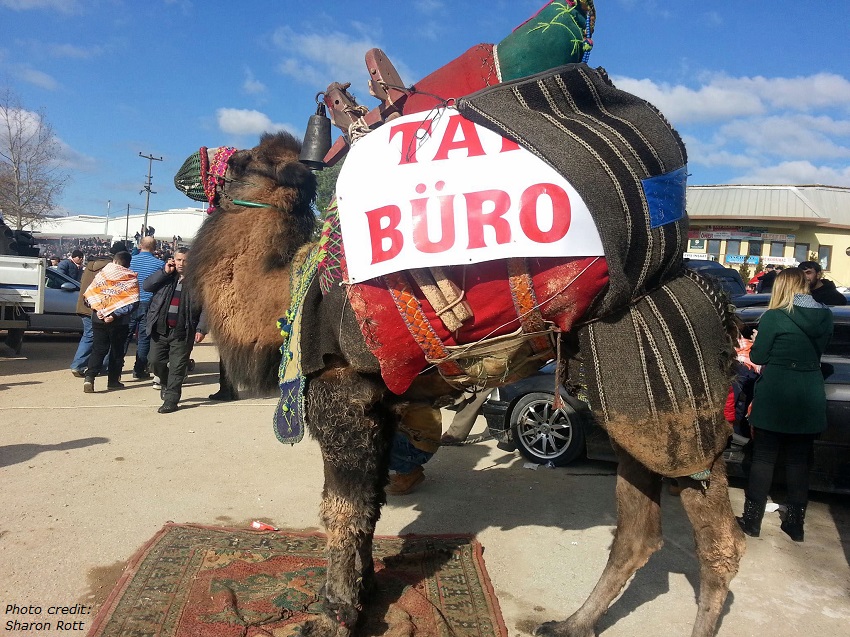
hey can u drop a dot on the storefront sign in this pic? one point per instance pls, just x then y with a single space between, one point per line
434 188
741 258
786 261
739 234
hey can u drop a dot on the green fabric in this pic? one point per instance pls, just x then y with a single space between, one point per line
789 395
553 37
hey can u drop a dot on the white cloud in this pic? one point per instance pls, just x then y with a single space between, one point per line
73 51
761 130
721 97
317 59
236 121
682 104
70 159
713 155
797 172
21 121
428 6
36 78
321 58
65 6
803 137
251 85
822 90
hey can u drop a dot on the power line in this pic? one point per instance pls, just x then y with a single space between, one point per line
147 188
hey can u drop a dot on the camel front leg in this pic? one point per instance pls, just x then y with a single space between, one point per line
637 537
353 428
719 543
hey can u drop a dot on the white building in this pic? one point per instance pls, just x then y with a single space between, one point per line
167 224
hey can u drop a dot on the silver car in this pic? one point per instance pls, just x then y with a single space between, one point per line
60 305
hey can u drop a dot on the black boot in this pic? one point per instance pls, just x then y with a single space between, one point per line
750 522
795 515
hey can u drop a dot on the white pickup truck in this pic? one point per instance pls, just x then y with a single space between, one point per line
22 281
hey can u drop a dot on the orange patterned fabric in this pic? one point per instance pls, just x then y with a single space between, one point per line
112 288
525 302
416 321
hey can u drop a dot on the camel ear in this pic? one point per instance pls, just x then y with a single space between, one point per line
302 179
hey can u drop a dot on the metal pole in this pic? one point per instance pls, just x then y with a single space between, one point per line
127 225
147 189
106 225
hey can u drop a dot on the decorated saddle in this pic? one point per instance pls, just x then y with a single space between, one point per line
624 168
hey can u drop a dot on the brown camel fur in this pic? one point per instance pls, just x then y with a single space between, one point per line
241 265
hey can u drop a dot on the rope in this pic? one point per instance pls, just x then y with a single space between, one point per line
535 307
358 127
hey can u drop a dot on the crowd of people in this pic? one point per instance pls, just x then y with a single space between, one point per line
58 250
823 290
139 296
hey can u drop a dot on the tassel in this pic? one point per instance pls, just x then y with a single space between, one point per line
558 403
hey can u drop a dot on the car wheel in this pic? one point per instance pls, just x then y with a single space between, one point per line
544 434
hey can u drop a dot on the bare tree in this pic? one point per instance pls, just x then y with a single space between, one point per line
31 178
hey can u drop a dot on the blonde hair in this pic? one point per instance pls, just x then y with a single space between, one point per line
787 283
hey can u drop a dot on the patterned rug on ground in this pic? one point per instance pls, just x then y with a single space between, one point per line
199 581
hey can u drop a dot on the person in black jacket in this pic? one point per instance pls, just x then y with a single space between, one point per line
822 290
174 325
72 267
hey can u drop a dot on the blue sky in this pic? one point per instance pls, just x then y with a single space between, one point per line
760 91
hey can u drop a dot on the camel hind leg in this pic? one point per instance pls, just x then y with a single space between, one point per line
637 537
719 543
353 427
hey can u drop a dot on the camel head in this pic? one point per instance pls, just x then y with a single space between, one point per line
260 214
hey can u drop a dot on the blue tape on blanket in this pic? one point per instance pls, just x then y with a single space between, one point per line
665 195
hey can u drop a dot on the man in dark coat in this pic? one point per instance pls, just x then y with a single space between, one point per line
174 325
822 290
765 282
73 266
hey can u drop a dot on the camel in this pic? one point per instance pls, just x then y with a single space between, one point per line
652 342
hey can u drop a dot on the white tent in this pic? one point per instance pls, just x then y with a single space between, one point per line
178 222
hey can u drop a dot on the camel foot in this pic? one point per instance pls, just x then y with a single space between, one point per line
563 629
323 626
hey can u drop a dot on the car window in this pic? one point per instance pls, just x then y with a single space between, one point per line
55 280
839 345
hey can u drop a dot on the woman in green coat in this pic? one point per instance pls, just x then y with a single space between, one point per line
789 404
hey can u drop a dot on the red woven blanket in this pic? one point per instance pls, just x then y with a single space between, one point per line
564 287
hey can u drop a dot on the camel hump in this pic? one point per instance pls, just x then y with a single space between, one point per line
624 159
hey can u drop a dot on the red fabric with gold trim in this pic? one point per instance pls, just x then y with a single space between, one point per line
565 288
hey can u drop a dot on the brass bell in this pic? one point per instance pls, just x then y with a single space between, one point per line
317 139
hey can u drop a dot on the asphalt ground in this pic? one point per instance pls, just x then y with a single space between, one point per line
87 479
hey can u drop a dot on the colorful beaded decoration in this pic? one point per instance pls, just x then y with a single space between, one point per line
213 176
289 416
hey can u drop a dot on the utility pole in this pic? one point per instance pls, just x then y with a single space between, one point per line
147 188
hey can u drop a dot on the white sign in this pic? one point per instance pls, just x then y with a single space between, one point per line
787 261
434 188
